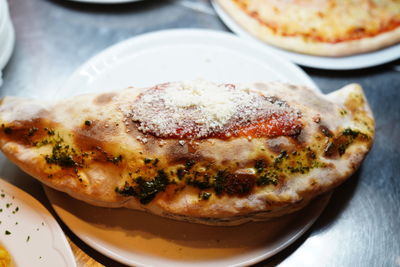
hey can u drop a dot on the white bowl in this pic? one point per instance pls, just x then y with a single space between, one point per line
7 34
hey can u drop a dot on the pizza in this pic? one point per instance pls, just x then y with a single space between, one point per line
217 154
319 27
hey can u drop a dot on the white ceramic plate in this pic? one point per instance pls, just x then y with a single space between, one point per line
105 1
339 63
7 41
140 239
35 238
7 34
175 55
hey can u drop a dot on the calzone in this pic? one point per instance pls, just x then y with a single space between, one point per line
218 154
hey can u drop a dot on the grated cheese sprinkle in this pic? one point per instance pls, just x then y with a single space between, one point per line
197 109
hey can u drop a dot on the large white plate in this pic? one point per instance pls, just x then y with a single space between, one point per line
35 238
333 63
175 55
136 238
140 239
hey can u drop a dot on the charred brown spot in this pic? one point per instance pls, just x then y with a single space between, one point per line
91 139
275 146
177 154
234 184
28 132
149 143
192 148
289 144
93 133
330 150
104 98
325 131
317 118
186 159
337 145
8 130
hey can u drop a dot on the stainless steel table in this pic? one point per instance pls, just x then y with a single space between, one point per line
361 224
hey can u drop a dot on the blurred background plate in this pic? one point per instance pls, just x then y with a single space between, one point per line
7 41
358 61
7 36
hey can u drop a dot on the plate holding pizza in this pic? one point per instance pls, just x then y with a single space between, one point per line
322 28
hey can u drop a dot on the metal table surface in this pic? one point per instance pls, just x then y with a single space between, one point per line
361 224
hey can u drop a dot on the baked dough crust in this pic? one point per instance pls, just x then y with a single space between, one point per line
302 44
87 147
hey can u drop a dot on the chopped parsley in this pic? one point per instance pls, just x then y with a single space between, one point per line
204 195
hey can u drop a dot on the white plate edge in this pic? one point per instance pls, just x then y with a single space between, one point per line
59 240
328 63
146 37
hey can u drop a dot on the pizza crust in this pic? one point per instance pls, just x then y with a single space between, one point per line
301 45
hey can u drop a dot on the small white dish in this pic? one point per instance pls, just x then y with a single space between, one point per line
29 232
7 42
331 63
140 239
3 12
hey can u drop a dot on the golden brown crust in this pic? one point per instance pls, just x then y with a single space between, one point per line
88 147
317 35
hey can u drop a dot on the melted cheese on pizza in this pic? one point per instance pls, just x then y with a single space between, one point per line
329 21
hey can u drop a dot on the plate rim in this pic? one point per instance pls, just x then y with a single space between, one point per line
318 62
7 35
9 46
60 244
324 200
145 37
